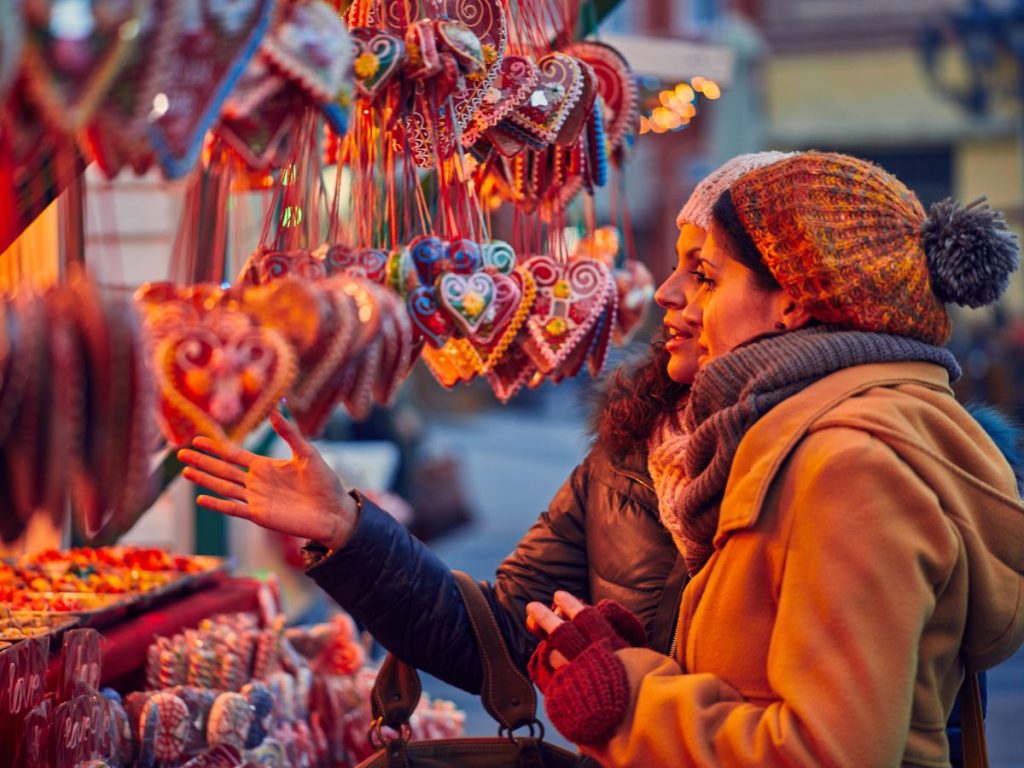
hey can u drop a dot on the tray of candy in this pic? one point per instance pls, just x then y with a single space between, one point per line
21 625
92 610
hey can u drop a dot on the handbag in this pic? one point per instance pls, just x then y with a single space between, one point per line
972 725
507 695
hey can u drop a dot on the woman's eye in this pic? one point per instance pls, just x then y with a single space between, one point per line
701 278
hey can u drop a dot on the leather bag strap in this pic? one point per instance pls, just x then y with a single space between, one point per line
972 725
507 695
396 692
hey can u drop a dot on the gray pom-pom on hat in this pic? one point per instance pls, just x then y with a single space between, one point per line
971 252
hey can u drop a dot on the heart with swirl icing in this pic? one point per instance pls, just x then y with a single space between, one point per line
498 256
560 84
463 256
428 317
311 44
219 380
264 266
481 305
430 258
370 263
517 77
377 56
570 298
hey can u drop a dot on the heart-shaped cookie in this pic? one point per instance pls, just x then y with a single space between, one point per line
498 256
370 263
70 67
422 59
117 134
376 57
218 382
429 256
428 317
263 137
463 42
213 45
616 86
463 256
311 43
560 84
516 79
514 370
570 298
265 265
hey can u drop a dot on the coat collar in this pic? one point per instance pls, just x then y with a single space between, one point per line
773 437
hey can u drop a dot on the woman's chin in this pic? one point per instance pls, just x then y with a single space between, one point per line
682 371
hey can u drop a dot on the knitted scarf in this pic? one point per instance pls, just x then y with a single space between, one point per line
732 392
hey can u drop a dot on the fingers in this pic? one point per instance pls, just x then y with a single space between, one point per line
225 506
212 465
543 617
215 484
226 451
568 604
290 434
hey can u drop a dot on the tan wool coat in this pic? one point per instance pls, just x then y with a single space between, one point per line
870 542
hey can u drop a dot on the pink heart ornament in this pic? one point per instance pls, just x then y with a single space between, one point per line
570 298
311 44
517 77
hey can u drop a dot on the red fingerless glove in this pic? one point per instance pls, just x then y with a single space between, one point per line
607 621
587 699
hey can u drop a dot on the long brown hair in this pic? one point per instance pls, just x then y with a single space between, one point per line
633 399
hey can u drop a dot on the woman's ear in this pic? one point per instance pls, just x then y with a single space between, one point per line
794 316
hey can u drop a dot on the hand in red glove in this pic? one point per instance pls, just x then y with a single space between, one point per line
585 685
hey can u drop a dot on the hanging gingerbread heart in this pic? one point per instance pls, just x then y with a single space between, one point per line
575 121
513 371
377 56
428 317
311 43
616 86
476 32
262 138
422 59
72 64
570 298
221 384
463 256
370 263
493 352
516 79
258 82
12 37
429 256
481 305
559 87
265 265
117 133
498 256
214 43
635 287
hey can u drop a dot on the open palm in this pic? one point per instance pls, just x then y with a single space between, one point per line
300 496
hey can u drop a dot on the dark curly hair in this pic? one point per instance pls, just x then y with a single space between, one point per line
633 399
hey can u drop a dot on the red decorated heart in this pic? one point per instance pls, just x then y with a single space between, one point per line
261 138
616 86
576 118
559 86
117 134
220 378
422 59
311 43
514 370
428 317
517 77
370 263
570 298
212 47
376 57
481 305
70 69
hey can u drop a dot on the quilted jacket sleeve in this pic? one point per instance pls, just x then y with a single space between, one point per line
395 587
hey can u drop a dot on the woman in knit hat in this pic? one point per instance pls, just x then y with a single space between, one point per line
586 541
854 538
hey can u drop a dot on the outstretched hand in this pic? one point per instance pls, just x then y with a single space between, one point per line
301 496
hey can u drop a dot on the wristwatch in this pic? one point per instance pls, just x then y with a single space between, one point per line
313 552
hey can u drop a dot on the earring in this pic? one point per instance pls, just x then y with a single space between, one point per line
781 326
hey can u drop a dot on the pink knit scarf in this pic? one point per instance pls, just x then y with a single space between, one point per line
666 450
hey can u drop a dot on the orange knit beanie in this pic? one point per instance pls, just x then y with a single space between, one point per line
854 246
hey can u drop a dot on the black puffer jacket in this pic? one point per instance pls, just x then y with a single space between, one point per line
599 538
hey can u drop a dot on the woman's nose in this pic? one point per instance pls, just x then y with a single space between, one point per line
670 294
693 315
